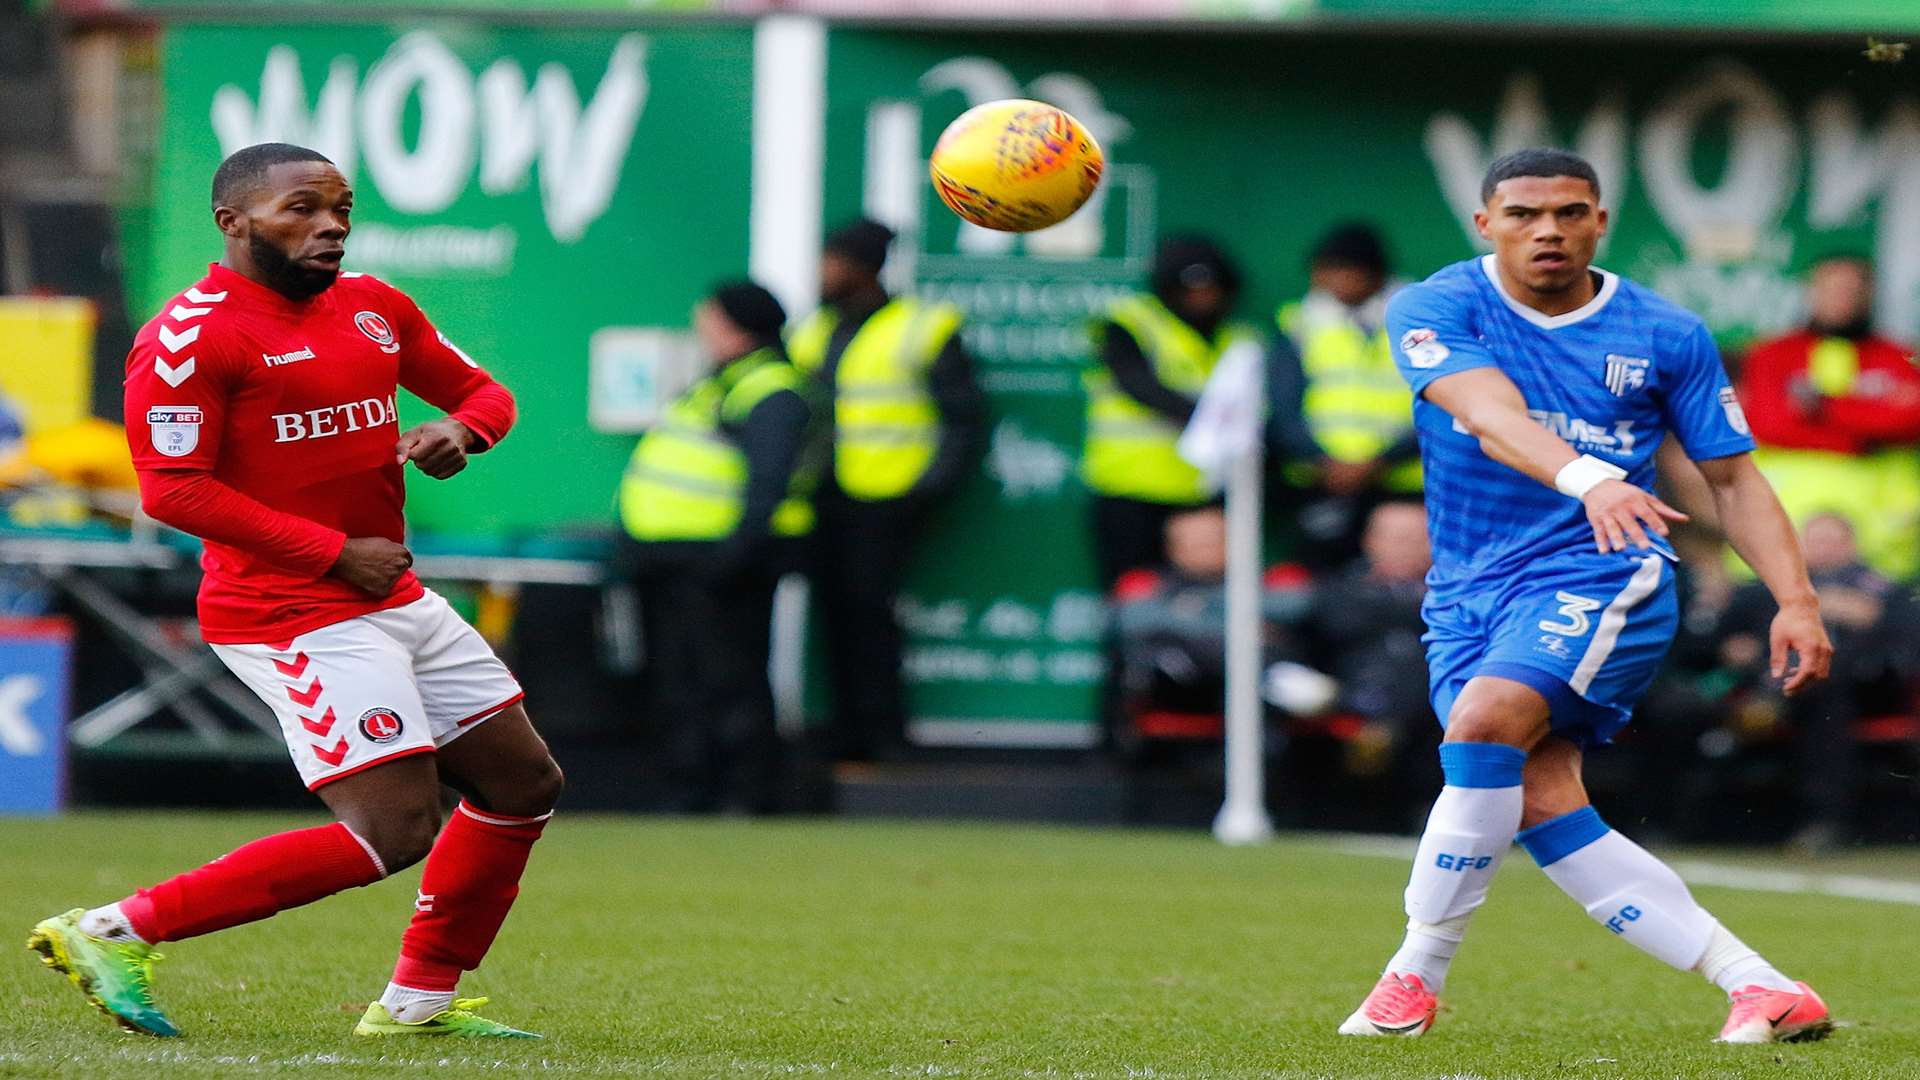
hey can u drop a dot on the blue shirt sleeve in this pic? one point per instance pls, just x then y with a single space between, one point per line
1698 402
1434 335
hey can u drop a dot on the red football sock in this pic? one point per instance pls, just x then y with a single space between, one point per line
270 875
471 879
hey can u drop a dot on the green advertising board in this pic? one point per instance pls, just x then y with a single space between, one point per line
531 188
1727 170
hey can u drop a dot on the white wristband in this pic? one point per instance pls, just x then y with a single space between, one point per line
1583 473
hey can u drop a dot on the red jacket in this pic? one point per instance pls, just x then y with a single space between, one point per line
1785 409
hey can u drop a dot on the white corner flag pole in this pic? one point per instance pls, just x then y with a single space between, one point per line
1224 439
1243 815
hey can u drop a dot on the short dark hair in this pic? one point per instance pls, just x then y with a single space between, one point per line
1538 161
246 168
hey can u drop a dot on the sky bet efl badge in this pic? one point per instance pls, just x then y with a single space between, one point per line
176 428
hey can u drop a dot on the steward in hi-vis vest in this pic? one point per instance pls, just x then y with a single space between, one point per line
717 499
1154 353
1342 415
908 421
1835 407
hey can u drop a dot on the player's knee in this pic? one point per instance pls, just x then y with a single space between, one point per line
402 836
547 784
530 790
1485 721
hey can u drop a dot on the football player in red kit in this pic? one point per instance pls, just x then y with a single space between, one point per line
260 410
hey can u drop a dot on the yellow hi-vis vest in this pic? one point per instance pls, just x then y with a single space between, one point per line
886 424
1356 403
687 480
1131 451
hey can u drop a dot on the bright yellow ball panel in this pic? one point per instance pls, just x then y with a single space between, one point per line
1016 165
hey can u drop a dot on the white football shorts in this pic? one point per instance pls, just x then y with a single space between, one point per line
380 686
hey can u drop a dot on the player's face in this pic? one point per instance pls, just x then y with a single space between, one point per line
1544 230
296 226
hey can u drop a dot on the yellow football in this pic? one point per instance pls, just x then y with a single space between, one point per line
1016 165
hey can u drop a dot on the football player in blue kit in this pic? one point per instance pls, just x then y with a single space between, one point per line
1543 387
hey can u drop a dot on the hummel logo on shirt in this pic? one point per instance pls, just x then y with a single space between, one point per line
305 352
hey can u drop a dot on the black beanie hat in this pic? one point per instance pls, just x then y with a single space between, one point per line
1353 244
1187 261
751 308
863 241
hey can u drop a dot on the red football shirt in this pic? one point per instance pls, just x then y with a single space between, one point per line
267 426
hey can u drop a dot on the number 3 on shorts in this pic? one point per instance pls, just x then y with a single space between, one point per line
1575 609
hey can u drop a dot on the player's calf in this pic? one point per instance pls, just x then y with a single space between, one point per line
1641 900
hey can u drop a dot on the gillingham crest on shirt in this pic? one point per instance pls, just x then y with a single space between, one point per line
1626 373
374 325
175 428
380 725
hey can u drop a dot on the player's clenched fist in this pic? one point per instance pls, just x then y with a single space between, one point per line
1622 514
372 564
439 447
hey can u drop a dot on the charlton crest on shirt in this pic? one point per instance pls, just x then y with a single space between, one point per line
374 326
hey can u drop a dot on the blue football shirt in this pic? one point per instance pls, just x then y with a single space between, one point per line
1611 378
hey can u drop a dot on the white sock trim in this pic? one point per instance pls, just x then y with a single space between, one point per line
410 1006
378 864
509 821
111 923
1732 965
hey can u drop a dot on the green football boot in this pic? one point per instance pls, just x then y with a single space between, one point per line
117 977
459 1020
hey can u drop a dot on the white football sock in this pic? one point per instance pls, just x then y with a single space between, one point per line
1472 825
410 1006
1622 886
1732 965
110 923
1428 951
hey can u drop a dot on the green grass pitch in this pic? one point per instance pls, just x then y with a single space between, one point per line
740 949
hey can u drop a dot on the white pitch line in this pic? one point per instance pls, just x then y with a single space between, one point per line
1700 872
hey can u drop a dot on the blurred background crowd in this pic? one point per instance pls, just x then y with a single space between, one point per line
895 518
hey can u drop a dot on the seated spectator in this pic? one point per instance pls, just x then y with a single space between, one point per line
1875 627
1835 408
1170 623
1342 416
1362 627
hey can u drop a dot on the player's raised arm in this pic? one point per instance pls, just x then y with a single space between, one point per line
1488 405
479 409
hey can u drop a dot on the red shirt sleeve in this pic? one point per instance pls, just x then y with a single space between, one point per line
445 377
175 411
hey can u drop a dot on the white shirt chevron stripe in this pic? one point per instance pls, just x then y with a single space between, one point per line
171 375
199 297
175 342
182 313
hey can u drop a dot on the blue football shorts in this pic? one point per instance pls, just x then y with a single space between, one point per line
1588 631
